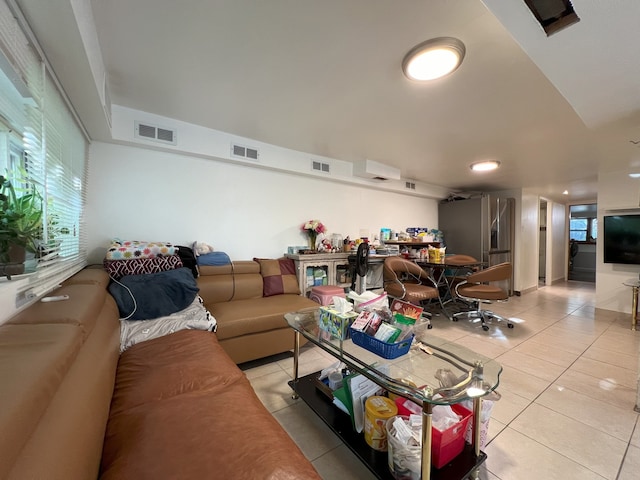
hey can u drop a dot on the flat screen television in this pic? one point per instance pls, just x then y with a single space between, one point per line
621 239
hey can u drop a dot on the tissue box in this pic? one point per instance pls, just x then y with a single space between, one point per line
334 323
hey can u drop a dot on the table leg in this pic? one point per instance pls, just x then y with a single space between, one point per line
477 411
634 308
296 355
427 412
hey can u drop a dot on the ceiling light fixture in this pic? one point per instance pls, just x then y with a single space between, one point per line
566 192
634 175
433 59
485 166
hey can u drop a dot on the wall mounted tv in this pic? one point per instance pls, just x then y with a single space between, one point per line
622 239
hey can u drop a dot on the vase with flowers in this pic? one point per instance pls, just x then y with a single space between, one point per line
312 228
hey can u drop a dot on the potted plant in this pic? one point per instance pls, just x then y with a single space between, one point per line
20 225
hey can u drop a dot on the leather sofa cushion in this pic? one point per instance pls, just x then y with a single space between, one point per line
237 281
34 359
82 309
243 317
197 418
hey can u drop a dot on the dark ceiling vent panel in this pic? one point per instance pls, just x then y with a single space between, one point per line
240 151
553 15
155 133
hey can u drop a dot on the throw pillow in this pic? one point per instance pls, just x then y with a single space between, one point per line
278 276
138 266
142 297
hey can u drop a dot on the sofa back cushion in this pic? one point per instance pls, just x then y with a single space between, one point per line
240 280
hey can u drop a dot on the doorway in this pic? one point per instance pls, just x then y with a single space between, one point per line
583 235
542 244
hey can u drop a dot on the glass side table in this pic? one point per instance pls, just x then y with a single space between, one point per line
634 283
477 376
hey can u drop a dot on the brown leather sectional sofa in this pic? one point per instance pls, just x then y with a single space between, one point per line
172 407
250 325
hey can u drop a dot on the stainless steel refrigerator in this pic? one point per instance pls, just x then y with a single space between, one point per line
483 227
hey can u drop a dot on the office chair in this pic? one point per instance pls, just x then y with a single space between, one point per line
404 280
477 288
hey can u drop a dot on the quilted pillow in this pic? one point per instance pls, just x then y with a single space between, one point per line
120 250
139 266
278 276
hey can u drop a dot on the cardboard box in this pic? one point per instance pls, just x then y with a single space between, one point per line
335 324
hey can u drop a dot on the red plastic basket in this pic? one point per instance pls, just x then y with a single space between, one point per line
384 349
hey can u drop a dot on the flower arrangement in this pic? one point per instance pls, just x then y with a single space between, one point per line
312 228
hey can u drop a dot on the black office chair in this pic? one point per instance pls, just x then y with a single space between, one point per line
478 288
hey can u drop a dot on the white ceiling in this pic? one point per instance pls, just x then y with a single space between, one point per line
324 77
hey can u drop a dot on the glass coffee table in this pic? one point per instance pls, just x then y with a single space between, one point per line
476 375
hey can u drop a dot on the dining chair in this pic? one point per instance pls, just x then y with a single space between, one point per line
479 287
407 281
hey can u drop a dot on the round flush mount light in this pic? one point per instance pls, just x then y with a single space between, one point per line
485 166
433 59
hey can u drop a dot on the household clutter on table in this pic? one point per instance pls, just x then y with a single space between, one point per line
386 410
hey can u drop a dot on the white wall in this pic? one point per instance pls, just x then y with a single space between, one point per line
143 194
528 239
617 193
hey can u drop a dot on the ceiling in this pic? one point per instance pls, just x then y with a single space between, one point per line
324 77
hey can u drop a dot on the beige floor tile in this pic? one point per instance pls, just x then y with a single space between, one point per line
261 370
581 443
533 366
483 346
547 352
567 344
606 371
509 407
518 382
635 438
603 416
600 389
273 391
631 465
310 433
341 464
613 357
514 456
623 341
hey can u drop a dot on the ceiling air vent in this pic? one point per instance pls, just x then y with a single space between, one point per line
410 185
320 166
240 151
155 133
553 15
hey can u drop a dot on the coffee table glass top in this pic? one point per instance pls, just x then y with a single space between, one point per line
430 362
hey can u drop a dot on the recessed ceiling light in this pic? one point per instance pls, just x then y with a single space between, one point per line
433 59
566 192
634 175
485 166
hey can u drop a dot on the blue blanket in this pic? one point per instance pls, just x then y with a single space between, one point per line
153 295
213 259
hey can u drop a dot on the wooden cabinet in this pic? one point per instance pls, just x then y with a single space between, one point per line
334 265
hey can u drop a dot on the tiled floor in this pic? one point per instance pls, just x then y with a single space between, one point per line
568 391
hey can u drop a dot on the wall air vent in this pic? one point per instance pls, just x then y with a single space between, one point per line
320 166
240 151
410 185
155 133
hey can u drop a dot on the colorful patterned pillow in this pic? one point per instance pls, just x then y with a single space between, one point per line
138 266
120 250
278 276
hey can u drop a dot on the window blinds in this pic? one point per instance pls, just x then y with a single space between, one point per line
54 150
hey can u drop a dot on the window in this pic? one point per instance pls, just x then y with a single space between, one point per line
583 223
39 136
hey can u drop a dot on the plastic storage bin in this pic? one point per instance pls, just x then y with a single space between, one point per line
324 294
385 350
447 445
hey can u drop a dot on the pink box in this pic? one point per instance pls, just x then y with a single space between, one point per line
324 294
